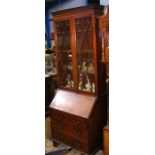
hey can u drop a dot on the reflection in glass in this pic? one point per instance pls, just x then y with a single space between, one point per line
85 58
64 54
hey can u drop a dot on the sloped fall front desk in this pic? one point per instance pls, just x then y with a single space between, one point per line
77 120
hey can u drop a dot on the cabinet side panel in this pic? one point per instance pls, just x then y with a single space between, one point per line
98 120
100 66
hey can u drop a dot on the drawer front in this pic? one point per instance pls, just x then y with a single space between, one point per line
73 131
72 142
69 119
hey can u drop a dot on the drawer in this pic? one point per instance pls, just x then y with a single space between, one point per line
73 120
72 142
73 131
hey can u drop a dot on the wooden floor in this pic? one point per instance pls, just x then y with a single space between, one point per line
49 143
74 152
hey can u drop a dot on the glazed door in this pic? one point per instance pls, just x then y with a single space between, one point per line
64 54
85 55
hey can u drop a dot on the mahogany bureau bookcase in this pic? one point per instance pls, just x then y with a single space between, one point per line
78 110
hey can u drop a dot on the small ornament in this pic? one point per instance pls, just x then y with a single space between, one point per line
70 66
88 86
93 87
68 81
84 66
80 82
80 86
91 68
72 84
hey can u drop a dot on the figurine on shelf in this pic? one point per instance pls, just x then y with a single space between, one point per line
88 87
68 81
80 86
79 67
54 70
80 82
70 66
72 84
84 66
69 54
91 67
93 87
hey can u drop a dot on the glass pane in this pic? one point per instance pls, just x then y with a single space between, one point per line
64 54
85 58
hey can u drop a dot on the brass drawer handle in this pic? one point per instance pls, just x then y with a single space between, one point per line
78 132
76 122
77 144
